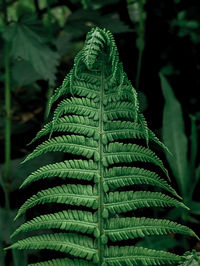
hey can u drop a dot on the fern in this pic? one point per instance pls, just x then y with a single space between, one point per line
98 121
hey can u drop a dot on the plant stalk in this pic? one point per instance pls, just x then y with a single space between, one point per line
7 134
50 89
140 42
8 114
8 141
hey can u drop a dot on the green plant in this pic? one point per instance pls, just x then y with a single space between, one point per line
99 125
138 15
190 259
184 164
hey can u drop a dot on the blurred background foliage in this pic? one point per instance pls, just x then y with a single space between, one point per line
158 43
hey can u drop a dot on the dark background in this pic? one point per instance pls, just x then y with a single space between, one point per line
165 33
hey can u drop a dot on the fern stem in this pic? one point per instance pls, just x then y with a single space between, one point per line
140 42
7 116
194 145
100 184
7 134
8 143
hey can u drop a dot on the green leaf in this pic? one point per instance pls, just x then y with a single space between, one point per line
190 259
129 255
79 221
28 42
7 226
73 244
78 23
194 207
174 136
77 195
129 228
23 73
193 143
18 173
63 262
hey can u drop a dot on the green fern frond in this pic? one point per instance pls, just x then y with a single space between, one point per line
63 262
91 80
78 245
118 152
75 124
130 228
119 110
86 92
71 144
190 258
75 220
71 194
111 96
80 169
118 202
96 112
63 89
80 106
125 176
122 130
94 43
117 256
145 130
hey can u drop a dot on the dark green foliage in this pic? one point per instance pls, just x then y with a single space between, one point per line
183 163
27 32
190 258
100 122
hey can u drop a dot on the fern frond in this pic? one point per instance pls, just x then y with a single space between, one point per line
111 96
97 113
118 152
80 169
119 106
94 43
75 220
144 127
118 202
125 129
91 80
63 262
78 245
78 145
130 228
63 89
71 194
78 106
117 177
123 110
126 256
86 92
75 124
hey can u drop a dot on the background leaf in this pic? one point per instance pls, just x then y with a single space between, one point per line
23 73
81 21
174 136
28 43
